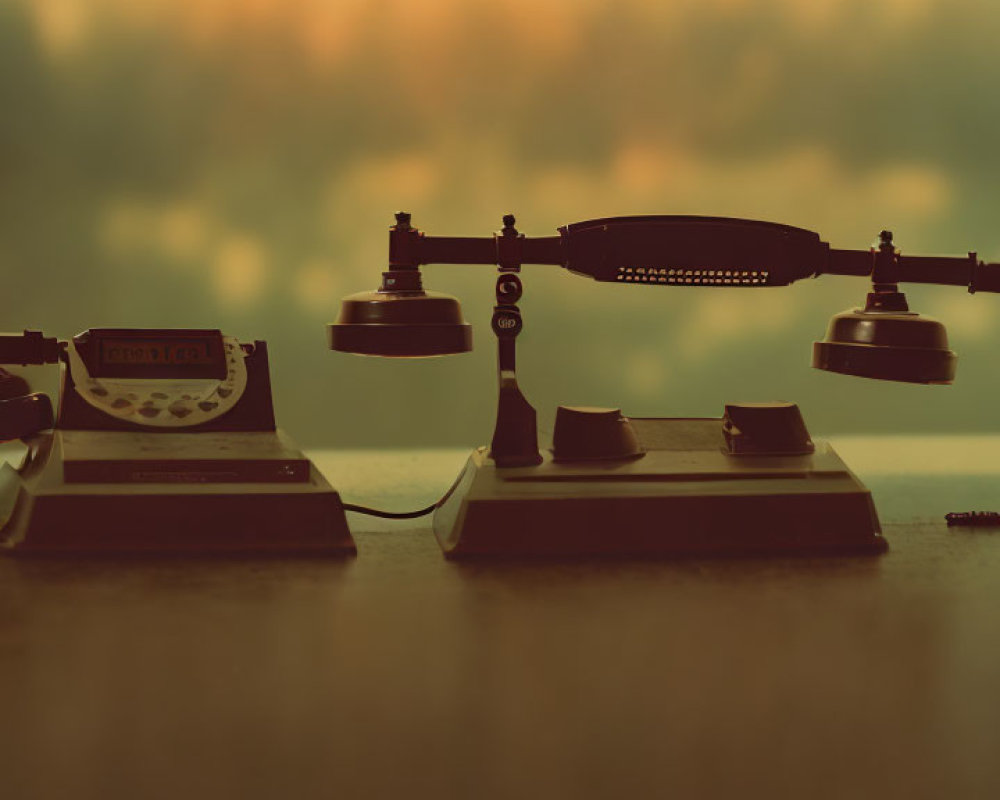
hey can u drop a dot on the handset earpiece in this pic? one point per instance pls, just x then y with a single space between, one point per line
25 416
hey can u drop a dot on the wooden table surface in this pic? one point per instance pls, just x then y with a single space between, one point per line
398 674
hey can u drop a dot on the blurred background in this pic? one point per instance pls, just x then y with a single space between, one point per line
236 164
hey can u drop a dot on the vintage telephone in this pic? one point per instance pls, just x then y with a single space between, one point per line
752 481
165 441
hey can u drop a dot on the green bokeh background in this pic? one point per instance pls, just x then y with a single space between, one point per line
236 164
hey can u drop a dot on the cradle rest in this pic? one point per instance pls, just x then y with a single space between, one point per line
694 492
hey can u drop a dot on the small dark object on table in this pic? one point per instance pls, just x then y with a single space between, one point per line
979 519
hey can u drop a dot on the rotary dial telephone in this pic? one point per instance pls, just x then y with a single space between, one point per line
164 440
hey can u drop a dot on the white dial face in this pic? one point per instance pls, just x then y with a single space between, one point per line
164 402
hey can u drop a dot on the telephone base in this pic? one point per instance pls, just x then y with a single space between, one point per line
93 492
691 500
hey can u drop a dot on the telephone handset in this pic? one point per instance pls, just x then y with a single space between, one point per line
22 412
24 416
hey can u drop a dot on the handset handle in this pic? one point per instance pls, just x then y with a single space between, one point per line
692 251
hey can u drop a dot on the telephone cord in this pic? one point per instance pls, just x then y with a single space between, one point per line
374 512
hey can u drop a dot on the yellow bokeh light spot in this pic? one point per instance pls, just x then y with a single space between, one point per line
315 286
239 271
182 232
123 228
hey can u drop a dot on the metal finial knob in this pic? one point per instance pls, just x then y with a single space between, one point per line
403 219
